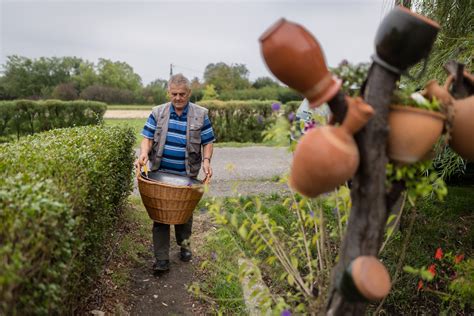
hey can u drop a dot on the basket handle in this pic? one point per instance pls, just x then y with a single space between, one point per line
145 169
206 180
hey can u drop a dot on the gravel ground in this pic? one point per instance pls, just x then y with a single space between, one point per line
247 170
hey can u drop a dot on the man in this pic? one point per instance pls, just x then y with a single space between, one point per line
173 136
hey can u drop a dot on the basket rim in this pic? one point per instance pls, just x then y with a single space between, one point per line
194 186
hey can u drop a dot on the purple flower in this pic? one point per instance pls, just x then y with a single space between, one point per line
276 107
285 313
311 213
309 125
291 117
260 119
213 256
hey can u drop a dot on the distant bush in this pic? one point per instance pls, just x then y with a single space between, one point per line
107 94
60 193
282 94
23 117
241 121
65 92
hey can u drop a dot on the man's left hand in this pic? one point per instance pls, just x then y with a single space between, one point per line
206 167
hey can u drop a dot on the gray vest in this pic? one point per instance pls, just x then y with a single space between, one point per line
195 122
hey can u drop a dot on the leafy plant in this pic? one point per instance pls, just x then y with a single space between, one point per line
449 276
408 97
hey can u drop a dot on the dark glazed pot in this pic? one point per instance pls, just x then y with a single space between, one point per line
403 39
294 56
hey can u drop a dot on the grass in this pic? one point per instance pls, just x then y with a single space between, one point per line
219 282
448 225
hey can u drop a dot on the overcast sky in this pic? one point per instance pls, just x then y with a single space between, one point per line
150 35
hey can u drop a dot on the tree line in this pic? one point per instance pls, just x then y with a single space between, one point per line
115 82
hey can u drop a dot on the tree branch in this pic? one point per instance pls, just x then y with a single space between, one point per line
369 211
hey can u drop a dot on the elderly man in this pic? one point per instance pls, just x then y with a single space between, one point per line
173 136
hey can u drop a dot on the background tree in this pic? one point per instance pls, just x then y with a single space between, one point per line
262 82
455 40
118 75
85 75
210 93
196 90
225 77
155 92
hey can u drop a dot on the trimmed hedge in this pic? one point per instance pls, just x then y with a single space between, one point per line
24 117
242 121
60 193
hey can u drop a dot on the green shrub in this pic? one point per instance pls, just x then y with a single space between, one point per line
241 121
24 117
56 215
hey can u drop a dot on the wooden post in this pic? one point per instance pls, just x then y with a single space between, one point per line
365 229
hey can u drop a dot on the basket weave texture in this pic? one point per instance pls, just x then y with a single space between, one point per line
169 204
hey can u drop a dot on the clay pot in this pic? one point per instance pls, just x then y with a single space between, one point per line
461 120
365 280
462 128
433 89
403 39
327 156
294 56
413 132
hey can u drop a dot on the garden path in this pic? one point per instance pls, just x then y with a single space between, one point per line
246 170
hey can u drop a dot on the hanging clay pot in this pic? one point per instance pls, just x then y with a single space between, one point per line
365 280
461 117
462 128
413 132
327 156
294 56
403 38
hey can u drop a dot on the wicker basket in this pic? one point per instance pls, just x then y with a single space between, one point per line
168 204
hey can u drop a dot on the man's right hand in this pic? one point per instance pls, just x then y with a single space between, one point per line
141 161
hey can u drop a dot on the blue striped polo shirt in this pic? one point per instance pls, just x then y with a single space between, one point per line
174 153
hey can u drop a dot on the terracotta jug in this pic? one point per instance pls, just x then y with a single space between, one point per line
327 156
294 56
413 133
365 280
462 128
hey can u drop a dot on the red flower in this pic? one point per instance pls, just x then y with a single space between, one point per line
438 254
420 285
458 258
432 270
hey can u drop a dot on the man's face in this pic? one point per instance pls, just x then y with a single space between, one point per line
179 95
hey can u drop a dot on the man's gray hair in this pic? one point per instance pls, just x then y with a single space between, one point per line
179 80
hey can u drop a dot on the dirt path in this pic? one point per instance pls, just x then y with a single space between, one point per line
167 294
247 171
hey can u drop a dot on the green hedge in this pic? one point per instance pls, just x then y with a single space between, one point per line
242 121
23 117
60 193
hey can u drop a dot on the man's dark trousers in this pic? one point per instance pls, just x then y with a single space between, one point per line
161 238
